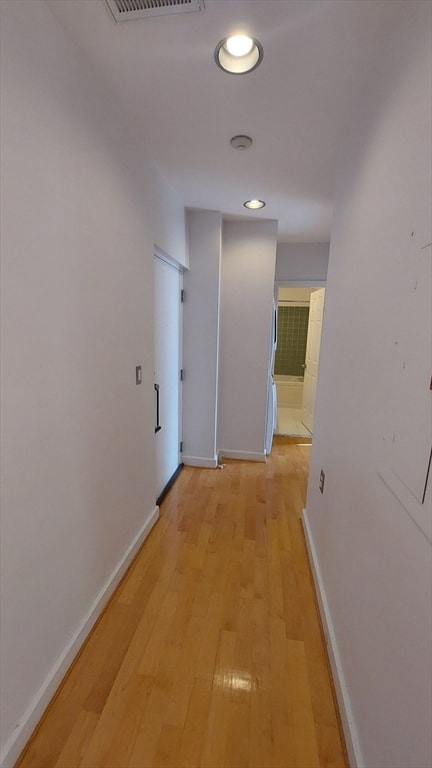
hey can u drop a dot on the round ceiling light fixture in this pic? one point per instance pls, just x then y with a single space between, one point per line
241 142
254 205
238 54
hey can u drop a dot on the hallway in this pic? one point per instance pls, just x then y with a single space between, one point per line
210 652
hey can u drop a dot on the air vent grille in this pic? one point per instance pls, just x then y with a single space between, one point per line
127 10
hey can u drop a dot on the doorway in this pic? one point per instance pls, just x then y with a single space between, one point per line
296 362
168 280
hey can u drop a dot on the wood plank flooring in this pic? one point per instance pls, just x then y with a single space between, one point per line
210 654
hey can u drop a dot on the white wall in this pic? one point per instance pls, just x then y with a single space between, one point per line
248 269
373 560
301 262
81 211
201 338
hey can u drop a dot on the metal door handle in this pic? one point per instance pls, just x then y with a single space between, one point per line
158 426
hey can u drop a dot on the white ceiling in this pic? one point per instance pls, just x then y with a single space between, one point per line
319 56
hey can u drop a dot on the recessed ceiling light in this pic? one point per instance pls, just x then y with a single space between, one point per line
238 54
239 45
254 205
241 142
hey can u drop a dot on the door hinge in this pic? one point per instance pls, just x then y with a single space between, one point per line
181 447
182 295
182 374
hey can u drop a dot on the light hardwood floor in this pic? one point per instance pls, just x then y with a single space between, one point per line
210 653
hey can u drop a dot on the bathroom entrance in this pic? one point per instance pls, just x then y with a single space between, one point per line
296 362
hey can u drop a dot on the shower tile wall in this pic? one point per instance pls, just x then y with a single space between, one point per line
292 336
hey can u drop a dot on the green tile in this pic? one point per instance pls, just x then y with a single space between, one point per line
292 337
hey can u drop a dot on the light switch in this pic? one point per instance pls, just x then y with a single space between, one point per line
138 374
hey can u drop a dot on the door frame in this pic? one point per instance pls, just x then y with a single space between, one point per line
299 284
310 381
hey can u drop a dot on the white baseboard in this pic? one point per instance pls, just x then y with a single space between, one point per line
196 461
31 717
242 455
350 732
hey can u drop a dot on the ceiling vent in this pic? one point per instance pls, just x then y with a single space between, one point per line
128 10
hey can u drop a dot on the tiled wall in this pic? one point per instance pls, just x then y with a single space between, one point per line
292 335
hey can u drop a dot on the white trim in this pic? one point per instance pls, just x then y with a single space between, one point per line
242 455
348 723
18 740
165 257
195 461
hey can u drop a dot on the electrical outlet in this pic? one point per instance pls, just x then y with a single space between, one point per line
322 481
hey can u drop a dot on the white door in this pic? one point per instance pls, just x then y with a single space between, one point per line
167 288
312 356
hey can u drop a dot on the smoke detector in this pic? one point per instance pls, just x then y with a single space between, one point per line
128 10
241 142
